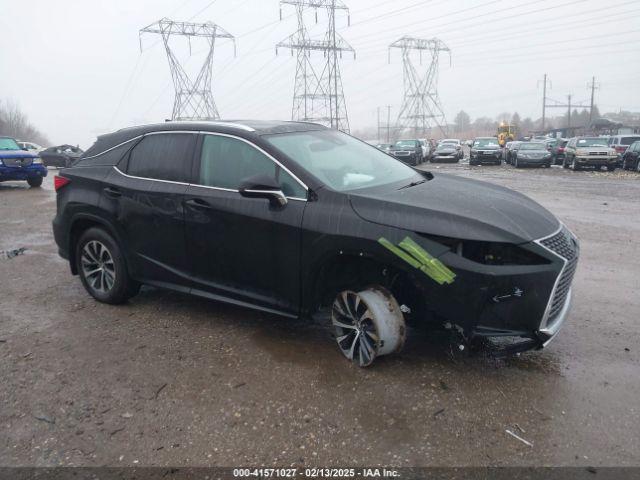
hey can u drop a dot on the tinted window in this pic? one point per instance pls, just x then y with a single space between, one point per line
163 156
627 140
111 157
225 162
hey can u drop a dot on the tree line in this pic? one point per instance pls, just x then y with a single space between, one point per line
15 123
481 126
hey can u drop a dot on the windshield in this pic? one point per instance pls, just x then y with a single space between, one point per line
532 146
486 142
406 143
8 144
591 142
341 161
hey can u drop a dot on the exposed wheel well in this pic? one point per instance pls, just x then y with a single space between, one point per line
355 273
78 227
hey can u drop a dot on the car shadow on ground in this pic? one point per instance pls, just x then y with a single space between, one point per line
310 342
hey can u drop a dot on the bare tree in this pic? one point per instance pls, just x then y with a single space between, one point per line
14 123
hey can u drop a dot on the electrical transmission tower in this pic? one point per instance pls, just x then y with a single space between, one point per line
318 97
193 98
421 108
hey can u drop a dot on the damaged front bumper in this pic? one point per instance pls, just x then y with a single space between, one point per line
515 308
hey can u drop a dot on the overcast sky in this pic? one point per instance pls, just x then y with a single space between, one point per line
75 66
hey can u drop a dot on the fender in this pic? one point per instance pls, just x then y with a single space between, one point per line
94 218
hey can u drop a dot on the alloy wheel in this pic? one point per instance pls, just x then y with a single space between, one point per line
356 332
98 267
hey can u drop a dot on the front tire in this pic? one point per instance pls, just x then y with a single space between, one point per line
102 268
34 182
574 165
367 324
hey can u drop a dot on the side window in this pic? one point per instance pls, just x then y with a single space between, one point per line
164 156
225 162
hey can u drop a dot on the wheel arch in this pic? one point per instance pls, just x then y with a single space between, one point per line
80 224
347 270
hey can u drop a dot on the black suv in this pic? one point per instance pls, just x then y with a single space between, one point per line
292 218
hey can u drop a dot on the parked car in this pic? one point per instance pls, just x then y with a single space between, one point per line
408 151
556 148
61 156
18 164
385 147
485 150
621 143
592 152
426 149
313 220
630 157
531 154
508 150
30 146
446 152
456 143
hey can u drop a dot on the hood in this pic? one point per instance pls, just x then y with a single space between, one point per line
17 154
445 151
451 206
488 147
534 153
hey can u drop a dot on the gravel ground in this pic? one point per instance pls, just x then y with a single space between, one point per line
172 380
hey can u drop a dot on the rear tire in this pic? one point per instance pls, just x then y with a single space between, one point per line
102 268
34 182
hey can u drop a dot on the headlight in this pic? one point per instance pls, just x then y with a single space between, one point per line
582 151
524 155
490 253
37 161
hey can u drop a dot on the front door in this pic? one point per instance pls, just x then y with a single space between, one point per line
244 250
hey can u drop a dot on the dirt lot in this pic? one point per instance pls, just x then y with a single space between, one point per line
173 380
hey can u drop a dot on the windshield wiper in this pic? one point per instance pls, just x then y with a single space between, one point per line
413 184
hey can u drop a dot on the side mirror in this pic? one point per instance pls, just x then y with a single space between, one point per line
263 186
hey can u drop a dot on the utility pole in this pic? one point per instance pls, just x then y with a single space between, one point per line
556 104
378 137
193 99
321 95
388 123
421 107
544 101
593 87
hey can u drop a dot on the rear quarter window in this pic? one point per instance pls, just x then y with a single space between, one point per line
109 157
163 156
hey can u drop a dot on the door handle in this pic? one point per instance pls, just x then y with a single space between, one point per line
198 204
112 192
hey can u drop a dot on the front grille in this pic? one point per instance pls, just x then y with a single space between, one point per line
17 162
566 246
598 154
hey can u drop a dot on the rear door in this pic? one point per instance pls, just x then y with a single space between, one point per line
243 249
145 194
